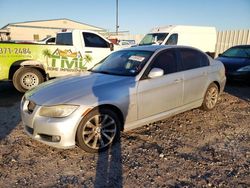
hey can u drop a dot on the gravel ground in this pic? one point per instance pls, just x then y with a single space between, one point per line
192 149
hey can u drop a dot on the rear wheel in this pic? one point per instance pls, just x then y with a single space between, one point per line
211 97
25 78
98 130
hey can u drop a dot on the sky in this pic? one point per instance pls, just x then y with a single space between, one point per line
135 16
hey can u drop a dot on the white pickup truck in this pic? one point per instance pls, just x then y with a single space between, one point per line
28 65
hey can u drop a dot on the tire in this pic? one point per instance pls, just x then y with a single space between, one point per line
98 130
25 78
211 97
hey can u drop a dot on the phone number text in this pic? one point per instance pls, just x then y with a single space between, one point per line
15 51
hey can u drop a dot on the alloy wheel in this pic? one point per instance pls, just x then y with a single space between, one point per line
211 97
99 131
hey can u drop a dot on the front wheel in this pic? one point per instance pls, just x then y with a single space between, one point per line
98 130
211 97
25 78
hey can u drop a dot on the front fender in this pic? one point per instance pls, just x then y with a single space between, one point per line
32 63
22 63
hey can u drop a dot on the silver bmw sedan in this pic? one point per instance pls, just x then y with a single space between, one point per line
128 89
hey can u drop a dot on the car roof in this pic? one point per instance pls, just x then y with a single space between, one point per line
154 48
151 48
241 46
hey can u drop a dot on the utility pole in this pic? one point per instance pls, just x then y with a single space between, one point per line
117 26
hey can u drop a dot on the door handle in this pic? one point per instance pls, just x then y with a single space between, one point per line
178 80
88 51
204 73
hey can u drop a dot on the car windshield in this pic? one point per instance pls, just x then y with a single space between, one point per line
124 63
44 39
241 52
153 38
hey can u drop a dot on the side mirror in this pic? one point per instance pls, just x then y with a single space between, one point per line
219 55
111 46
155 72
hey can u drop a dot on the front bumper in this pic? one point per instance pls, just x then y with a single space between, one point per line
222 85
56 132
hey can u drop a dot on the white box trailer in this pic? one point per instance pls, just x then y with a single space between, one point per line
203 38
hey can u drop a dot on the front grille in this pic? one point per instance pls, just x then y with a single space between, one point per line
31 106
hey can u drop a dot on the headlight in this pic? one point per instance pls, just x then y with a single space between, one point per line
57 111
244 69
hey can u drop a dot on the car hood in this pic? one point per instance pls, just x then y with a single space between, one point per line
68 90
232 64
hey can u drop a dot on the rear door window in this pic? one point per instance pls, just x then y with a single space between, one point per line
192 59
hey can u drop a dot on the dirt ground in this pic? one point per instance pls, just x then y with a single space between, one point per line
192 149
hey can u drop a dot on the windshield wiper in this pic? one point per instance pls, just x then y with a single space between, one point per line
110 73
102 72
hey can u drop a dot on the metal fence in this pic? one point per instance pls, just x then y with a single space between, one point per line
226 39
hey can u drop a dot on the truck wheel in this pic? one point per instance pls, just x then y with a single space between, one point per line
98 130
211 97
26 78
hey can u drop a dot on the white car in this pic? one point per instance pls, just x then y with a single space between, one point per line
47 40
128 89
126 43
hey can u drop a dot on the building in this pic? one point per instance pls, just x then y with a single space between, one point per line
37 30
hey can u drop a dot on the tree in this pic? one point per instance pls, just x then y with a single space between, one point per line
47 54
87 58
